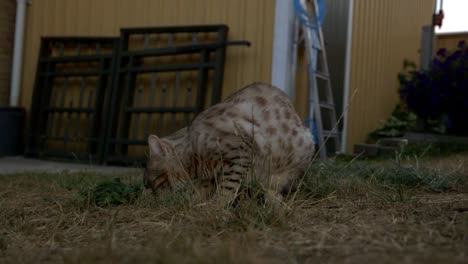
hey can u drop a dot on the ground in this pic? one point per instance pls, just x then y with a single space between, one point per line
402 210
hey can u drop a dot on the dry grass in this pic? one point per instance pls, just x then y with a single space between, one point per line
353 212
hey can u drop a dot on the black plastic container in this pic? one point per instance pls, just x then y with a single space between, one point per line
11 131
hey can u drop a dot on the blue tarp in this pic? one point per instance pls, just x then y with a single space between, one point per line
305 17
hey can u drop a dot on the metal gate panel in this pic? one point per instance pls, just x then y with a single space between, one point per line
165 76
72 80
96 100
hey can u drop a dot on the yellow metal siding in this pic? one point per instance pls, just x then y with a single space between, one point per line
385 32
7 27
247 20
450 40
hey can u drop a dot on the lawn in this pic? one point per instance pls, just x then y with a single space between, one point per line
409 209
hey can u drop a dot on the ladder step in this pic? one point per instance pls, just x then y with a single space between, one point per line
328 106
319 48
322 76
328 133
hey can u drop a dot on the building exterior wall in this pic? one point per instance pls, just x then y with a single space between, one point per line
384 34
247 20
7 28
450 40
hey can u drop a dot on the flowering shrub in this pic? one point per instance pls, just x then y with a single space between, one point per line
440 92
397 124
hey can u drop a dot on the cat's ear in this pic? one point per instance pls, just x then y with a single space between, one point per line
157 147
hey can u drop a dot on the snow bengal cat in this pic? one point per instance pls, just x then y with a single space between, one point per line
254 133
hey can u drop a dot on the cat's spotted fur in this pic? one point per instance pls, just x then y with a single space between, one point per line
253 133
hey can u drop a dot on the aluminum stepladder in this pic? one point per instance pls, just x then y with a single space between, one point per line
321 102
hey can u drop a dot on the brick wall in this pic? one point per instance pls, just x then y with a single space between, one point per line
7 28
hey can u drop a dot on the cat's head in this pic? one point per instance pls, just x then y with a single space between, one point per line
164 167
158 166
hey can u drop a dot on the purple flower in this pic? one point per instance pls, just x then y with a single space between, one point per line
442 52
440 91
461 44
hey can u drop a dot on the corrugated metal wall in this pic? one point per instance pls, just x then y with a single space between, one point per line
247 20
385 32
450 40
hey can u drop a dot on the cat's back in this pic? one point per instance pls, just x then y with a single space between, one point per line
256 104
259 109
257 93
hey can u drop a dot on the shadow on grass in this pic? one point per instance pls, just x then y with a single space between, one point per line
390 181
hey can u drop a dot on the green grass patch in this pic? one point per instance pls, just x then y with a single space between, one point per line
114 192
433 150
360 177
